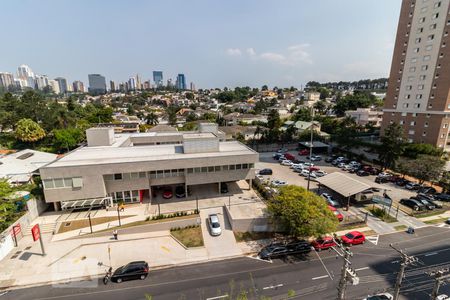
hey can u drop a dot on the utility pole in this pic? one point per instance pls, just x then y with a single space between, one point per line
347 273
440 276
406 260
311 146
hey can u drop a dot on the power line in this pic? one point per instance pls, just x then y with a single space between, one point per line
440 276
406 260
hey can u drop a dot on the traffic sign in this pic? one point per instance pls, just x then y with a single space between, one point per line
35 232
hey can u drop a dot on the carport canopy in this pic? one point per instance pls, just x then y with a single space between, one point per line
346 185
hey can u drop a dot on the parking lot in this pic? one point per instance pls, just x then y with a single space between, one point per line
287 174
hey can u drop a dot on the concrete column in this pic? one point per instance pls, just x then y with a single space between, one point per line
56 206
150 194
220 185
186 190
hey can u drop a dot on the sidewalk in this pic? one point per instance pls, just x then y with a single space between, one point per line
77 259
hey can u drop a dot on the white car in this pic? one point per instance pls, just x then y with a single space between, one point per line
298 169
341 165
214 225
297 166
316 158
278 183
287 162
307 173
382 296
320 173
347 167
330 199
384 174
442 297
307 164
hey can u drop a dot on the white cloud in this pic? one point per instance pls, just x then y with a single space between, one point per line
293 55
234 52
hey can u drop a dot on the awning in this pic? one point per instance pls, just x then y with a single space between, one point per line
83 203
346 185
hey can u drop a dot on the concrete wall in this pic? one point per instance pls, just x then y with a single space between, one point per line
224 176
249 224
100 136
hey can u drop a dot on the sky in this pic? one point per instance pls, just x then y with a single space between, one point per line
214 43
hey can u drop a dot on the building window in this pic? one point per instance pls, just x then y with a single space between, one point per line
413 123
422 77
426 58
416 50
416 105
421 20
409 87
424 133
59 182
407 96
414 59
225 168
414 115
419 96
189 170
423 9
428 115
420 87
412 69
433 26
425 125
232 167
420 30
411 132
404 114
204 169
430 37
424 67
210 169
118 176
142 175
48 183
418 40
437 4
197 170
217 168
436 15
429 47
411 78
134 175
445 125
405 105
402 122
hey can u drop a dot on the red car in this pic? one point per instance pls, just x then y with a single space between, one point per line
336 213
303 152
167 194
313 168
353 238
323 243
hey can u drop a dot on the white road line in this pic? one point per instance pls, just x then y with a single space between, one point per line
218 297
395 262
360 269
320 277
431 253
272 286
257 258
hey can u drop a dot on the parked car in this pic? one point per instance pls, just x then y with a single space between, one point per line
381 179
277 156
289 156
180 191
382 296
430 199
338 215
330 200
298 169
272 251
401 182
413 204
265 172
427 190
296 166
320 173
341 165
442 197
323 243
353 238
214 225
412 186
314 168
282 150
315 158
329 159
287 162
307 173
428 205
278 183
167 193
133 270
308 164
298 247
223 188
303 152
362 173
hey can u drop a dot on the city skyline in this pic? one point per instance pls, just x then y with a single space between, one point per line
235 49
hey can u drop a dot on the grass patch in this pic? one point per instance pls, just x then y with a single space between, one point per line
435 221
78 224
189 236
369 232
429 214
253 236
381 214
400 227
343 226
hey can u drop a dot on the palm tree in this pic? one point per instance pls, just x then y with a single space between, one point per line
151 118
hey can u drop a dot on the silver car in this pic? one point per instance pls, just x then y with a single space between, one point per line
214 225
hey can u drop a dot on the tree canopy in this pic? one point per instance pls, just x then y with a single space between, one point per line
302 213
29 131
392 145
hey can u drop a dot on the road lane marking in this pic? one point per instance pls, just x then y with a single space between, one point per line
218 297
430 254
260 259
395 262
271 287
373 239
320 277
360 269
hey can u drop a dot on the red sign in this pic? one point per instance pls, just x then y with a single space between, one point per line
16 230
35 232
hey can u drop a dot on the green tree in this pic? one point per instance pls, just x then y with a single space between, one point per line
392 145
427 168
302 213
444 182
171 113
29 131
273 119
67 138
303 114
151 118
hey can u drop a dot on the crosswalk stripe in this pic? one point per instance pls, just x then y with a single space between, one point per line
373 239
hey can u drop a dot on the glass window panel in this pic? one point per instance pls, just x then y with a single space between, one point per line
244 166
126 176
48 183
108 177
190 170
142 175
210 169
68 182
119 195
197 170
238 167
134 175
217 168
59 183
232 167
118 176
225 168
204 169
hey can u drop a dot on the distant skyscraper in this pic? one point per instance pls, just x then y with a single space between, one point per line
78 86
192 86
147 85
54 85
418 94
97 84
40 82
138 82
132 83
63 88
158 78
169 82
6 80
26 76
112 86
181 82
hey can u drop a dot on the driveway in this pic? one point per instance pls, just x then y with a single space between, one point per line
224 244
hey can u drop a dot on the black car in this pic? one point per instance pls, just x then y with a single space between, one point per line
133 270
430 199
329 159
265 172
413 204
427 190
425 202
362 173
298 247
180 192
223 188
272 251
381 179
442 197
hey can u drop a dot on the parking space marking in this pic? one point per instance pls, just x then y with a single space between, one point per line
165 248
271 287
373 239
320 277
260 259
218 297
363 268
431 254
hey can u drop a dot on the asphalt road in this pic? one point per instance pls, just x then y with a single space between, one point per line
306 277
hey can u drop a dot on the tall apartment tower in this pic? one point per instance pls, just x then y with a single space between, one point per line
181 82
97 84
62 82
158 78
418 95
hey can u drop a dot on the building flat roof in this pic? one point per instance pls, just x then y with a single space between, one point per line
111 154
